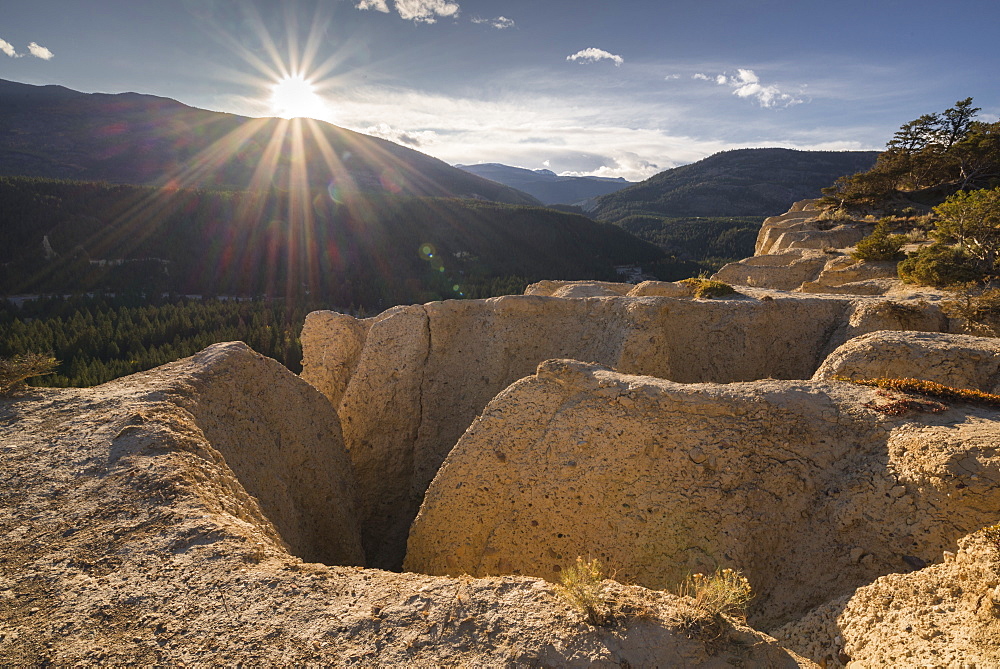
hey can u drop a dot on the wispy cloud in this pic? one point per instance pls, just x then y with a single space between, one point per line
7 48
386 131
626 164
671 77
39 51
746 84
418 11
500 22
576 134
593 55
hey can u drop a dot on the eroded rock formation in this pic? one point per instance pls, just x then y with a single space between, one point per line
801 228
149 521
960 361
799 251
408 382
660 479
944 615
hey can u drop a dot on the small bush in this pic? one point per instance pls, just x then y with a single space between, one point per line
938 265
15 371
707 288
880 245
724 592
973 219
834 214
927 222
581 586
978 310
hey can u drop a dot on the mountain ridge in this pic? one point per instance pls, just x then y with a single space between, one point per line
545 185
133 138
738 182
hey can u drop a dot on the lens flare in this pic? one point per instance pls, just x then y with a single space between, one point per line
295 97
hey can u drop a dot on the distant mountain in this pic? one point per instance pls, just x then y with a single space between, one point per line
55 132
743 182
371 250
546 185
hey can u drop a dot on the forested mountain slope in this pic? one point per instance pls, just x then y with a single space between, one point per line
55 132
375 251
742 182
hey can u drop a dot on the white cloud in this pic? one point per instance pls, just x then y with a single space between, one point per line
7 48
671 77
386 131
593 55
746 84
425 11
377 5
500 22
626 164
39 51
575 134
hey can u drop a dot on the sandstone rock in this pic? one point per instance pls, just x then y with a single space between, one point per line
809 236
148 522
425 372
786 270
941 616
846 271
774 226
662 289
800 228
875 315
577 289
331 348
867 287
797 251
961 361
792 476
812 272
291 459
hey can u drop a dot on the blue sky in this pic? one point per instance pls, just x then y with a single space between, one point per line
624 88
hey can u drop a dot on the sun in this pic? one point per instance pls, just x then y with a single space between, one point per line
295 97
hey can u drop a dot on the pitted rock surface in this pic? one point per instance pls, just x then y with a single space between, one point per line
960 361
945 615
425 372
805 486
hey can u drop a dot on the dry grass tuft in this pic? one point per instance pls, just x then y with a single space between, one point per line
726 591
582 585
928 388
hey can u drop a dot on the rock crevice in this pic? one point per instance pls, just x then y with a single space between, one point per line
421 374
